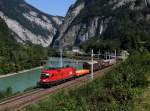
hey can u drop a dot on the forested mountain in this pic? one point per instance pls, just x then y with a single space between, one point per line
28 23
15 56
126 23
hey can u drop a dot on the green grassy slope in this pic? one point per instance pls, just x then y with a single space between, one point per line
119 90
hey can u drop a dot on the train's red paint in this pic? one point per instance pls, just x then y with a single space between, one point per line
52 76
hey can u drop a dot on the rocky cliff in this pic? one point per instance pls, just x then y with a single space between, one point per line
102 18
28 23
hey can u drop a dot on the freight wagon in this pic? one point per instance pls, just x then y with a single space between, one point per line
96 65
53 76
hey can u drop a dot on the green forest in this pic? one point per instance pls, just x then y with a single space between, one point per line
15 56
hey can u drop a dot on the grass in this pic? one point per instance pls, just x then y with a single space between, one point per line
143 104
121 89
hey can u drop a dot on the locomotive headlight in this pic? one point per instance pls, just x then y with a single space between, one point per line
47 74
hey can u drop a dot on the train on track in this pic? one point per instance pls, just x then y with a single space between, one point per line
53 76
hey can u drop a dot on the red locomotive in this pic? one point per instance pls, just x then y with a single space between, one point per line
56 75
53 76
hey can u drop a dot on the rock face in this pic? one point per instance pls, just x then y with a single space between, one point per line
90 18
28 23
71 15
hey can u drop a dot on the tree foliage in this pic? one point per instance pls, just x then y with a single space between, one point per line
14 56
118 90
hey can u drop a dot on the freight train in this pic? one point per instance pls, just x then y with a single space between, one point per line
52 76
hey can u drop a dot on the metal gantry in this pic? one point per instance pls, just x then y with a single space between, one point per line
92 74
61 57
107 55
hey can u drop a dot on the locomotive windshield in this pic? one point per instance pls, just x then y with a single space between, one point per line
45 75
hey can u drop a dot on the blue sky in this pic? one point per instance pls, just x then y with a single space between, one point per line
53 7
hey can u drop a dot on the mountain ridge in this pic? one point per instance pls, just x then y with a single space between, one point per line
29 23
103 19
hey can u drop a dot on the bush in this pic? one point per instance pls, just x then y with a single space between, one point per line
8 92
116 91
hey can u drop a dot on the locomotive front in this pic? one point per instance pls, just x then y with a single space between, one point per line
46 77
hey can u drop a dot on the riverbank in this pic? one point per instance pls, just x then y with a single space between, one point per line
118 90
19 72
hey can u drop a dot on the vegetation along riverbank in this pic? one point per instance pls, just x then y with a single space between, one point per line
20 72
120 90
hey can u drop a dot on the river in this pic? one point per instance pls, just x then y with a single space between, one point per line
25 80
20 82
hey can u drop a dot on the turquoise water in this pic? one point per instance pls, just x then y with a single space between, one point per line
20 82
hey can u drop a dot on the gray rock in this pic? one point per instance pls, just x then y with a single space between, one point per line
28 23
71 33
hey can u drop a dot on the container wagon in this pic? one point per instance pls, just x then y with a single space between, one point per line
96 65
53 76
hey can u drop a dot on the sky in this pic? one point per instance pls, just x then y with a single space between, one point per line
52 7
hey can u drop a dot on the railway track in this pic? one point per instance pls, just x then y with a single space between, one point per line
20 101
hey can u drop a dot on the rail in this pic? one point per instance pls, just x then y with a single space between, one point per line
28 98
